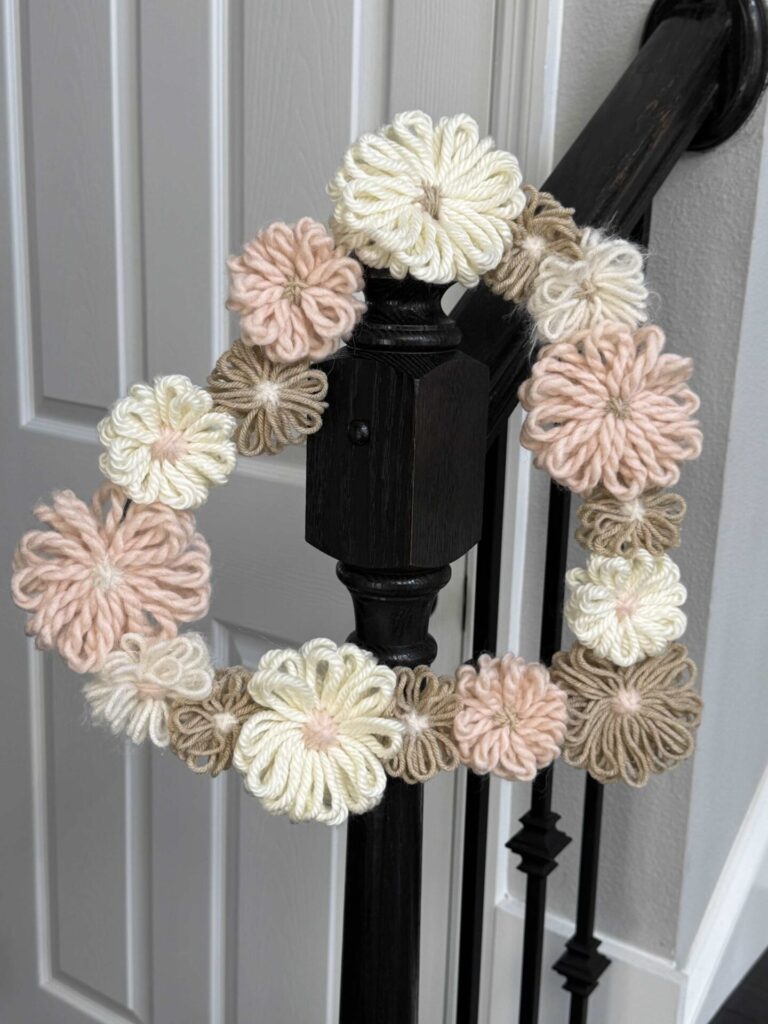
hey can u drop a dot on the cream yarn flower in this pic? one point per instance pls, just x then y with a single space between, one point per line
294 291
609 526
134 689
513 719
314 749
625 609
430 200
626 723
607 407
100 571
166 443
426 705
277 404
605 283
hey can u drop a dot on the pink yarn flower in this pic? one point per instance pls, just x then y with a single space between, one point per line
294 291
96 575
606 407
512 722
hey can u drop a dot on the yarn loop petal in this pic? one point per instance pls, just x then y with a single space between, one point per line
427 706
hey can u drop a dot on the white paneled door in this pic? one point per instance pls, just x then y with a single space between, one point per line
146 139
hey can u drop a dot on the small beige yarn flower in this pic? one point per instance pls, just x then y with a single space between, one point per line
276 404
295 292
625 609
606 282
431 200
609 526
426 706
314 748
513 719
544 228
203 733
137 683
626 723
164 442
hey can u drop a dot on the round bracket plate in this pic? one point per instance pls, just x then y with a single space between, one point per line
743 67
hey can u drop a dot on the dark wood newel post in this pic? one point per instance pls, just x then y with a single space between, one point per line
394 491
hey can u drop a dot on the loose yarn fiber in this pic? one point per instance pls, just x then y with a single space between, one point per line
164 442
314 749
606 407
512 722
608 526
627 723
276 404
138 681
431 200
295 292
426 705
625 609
101 571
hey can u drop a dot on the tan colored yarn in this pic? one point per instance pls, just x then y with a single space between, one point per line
277 404
543 228
204 733
426 705
609 526
627 723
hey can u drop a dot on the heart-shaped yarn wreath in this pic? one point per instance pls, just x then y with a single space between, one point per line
426 705
101 571
627 723
276 405
512 722
609 526
314 748
203 733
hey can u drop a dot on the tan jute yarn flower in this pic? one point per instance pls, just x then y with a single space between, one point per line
426 705
204 733
277 404
543 228
610 526
628 723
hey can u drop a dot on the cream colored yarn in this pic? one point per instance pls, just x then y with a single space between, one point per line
625 609
315 747
543 228
610 526
426 705
430 200
133 691
626 723
277 404
166 443
606 283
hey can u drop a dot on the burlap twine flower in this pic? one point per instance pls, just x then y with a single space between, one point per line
276 404
627 723
426 705
204 733
543 228
609 526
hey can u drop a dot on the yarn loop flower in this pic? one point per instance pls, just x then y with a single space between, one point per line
426 706
277 405
203 733
314 749
625 609
165 443
607 407
609 526
294 291
543 228
626 723
513 719
138 681
605 282
431 200
99 572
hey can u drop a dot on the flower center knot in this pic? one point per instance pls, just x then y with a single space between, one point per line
626 606
415 723
169 445
626 702
320 730
635 510
293 290
506 717
620 407
534 246
223 722
267 392
107 576
430 199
